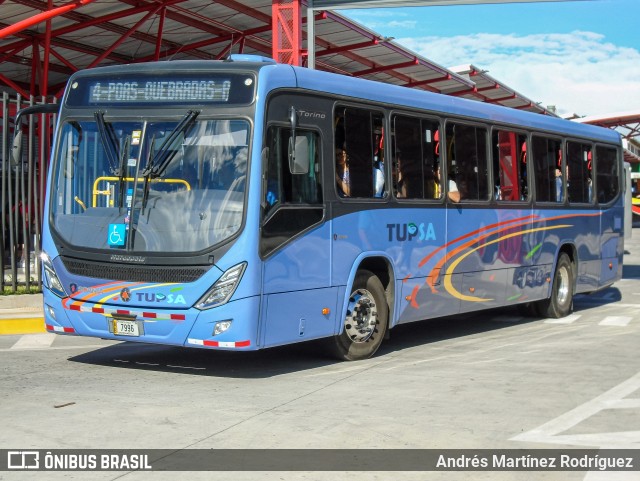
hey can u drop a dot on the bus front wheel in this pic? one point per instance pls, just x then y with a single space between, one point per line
366 319
560 303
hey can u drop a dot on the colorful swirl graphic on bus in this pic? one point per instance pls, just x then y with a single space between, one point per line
503 233
101 294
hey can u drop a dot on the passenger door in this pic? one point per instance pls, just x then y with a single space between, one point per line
298 303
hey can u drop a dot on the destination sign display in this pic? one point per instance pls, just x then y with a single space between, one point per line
138 90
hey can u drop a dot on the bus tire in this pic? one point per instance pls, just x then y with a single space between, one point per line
560 304
366 320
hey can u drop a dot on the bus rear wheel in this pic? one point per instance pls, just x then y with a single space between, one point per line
366 319
560 304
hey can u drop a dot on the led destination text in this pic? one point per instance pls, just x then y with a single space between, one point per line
160 91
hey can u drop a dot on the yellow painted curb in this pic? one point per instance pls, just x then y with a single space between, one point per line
22 326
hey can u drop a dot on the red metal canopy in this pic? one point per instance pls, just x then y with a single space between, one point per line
627 123
42 43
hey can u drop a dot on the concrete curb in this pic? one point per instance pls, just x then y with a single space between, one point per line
21 314
21 301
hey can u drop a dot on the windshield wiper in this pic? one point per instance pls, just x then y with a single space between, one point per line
124 157
145 188
157 164
108 142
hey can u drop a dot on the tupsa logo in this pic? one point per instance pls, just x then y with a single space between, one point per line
411 231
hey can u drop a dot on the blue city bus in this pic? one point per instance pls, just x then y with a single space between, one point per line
244 204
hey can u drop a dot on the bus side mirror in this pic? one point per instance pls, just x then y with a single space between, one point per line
299 155
16 149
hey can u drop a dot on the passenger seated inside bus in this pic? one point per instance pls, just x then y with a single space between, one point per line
378 177
343 181
409 183
378 166
453 193
437 182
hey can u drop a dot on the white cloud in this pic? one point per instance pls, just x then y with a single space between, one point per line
579 72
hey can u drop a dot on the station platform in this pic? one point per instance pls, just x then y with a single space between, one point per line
21 314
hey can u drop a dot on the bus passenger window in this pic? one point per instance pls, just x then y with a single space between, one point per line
467 162
359 153
579 181
547 164
415 158
607 174
509 166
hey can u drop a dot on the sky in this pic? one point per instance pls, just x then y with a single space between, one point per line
583 57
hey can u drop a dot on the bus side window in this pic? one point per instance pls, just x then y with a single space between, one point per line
579 182
467 169
548 177
359 153
415 158
607 175
509 170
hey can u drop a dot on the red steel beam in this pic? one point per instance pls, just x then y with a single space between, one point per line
384 68
163 14
64 60
188 47
14 51
205 25
251 12
47 52
17 46
525 106
420 83
346 48
36 66
508 97
321 15
41 17
138 24
234 5
104 22
286 31
14 86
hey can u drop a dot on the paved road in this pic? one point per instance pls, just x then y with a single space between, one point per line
493 380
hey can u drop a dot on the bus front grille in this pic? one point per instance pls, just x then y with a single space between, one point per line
134 273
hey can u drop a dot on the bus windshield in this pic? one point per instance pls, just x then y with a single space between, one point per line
149 185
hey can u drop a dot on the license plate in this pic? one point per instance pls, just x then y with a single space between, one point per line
125 328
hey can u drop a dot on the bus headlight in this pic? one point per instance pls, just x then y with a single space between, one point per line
50 276
223 289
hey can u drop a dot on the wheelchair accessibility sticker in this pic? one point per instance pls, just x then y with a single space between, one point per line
117 234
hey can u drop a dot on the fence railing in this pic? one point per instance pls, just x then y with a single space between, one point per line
22 192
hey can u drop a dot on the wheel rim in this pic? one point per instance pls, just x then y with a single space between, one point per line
362 316
563 286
